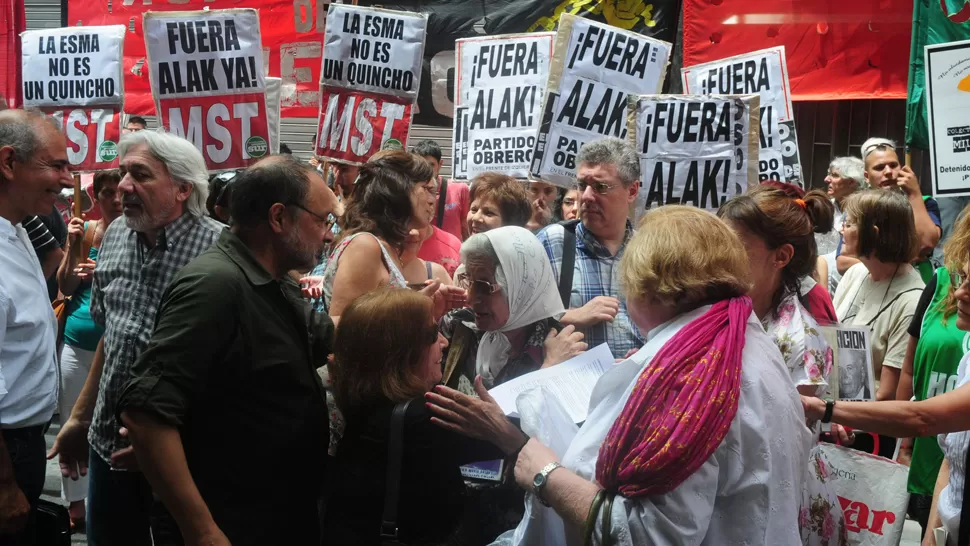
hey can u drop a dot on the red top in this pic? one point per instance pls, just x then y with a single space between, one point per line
456 208
442 248
820 306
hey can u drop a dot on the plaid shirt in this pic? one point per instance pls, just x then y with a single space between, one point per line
129 282
594 274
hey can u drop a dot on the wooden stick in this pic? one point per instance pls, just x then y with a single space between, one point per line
76 249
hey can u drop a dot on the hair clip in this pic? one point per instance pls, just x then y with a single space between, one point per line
801 203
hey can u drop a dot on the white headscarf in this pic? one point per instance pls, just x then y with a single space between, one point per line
531 291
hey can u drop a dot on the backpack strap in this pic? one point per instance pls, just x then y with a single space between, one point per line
568 261
442 199
392 489
90 228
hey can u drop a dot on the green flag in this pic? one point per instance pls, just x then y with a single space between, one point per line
934 22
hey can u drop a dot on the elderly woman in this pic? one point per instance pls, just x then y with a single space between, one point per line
696 439
512 326
945 414
846 175
778 234
387 351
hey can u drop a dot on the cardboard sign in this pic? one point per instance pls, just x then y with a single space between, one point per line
694 150
948 115
595 68
501 81
92 136
764 72
369 82
273 101
73 66
208 82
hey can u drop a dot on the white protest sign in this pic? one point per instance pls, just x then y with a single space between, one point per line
852 372
501 81
764 72
694 149
73 66
948 116
369 83
374 50
273 100
208 81
595 68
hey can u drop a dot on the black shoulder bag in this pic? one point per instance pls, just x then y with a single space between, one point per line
392 489
568 261
442 199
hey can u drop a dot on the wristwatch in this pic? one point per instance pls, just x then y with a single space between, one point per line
829 406
540 480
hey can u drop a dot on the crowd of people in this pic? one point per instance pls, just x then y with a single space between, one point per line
302 354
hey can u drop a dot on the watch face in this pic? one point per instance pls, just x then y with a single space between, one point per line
539 480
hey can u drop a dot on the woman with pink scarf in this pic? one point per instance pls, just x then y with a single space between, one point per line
697 439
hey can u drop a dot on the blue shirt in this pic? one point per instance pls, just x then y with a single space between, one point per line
595 274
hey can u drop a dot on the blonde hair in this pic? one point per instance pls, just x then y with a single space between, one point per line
684 257
956 254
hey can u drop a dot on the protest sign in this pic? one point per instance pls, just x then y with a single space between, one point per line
501 81
764 72
948 114
273 98
852 373
73 66
595 67
694 149
74 75
208 81
369 81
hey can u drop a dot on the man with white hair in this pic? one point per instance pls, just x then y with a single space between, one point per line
33 170
164 187
883 170
585 254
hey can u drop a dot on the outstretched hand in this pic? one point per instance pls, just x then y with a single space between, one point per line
445 297
480 418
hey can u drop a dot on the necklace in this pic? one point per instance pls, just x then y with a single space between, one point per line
882 301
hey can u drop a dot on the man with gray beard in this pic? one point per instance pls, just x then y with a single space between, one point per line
164 187
231 370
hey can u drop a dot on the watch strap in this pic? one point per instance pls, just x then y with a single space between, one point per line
541 479
829 407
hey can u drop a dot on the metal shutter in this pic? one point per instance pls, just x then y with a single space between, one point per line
441 135
43 14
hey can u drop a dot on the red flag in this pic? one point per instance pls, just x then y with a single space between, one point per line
836 49
13 21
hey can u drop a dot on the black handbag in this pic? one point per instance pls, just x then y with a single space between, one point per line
392 489
53 524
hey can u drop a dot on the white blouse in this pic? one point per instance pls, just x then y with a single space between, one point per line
748 491
954 446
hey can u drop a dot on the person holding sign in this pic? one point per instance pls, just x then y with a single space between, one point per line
727 476
882 292
608 182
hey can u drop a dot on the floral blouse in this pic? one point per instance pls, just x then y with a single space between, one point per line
808 356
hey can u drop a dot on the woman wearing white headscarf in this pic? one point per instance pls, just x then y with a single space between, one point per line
512 326
511 329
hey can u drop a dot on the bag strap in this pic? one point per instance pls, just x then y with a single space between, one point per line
891 302
88 242
392 488
606 530
442 199
568 261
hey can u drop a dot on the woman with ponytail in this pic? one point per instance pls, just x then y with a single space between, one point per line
695 439
777 224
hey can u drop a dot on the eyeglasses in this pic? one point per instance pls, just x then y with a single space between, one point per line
958 280
329 221
484 288
601 188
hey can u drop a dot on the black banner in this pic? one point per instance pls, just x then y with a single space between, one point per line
449 20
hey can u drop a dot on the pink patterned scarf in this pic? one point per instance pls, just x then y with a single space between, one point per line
681 407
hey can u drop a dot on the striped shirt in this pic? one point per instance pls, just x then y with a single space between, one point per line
129 282
40 237
595 274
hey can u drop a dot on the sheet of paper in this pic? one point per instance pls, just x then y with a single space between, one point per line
571 382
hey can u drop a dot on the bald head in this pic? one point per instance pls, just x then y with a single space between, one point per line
275 179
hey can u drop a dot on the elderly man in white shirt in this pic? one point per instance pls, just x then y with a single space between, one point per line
33 170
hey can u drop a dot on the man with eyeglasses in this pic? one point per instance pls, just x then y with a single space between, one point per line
231 370
164 186
608 183
883 170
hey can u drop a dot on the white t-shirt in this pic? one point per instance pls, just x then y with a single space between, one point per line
886 307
